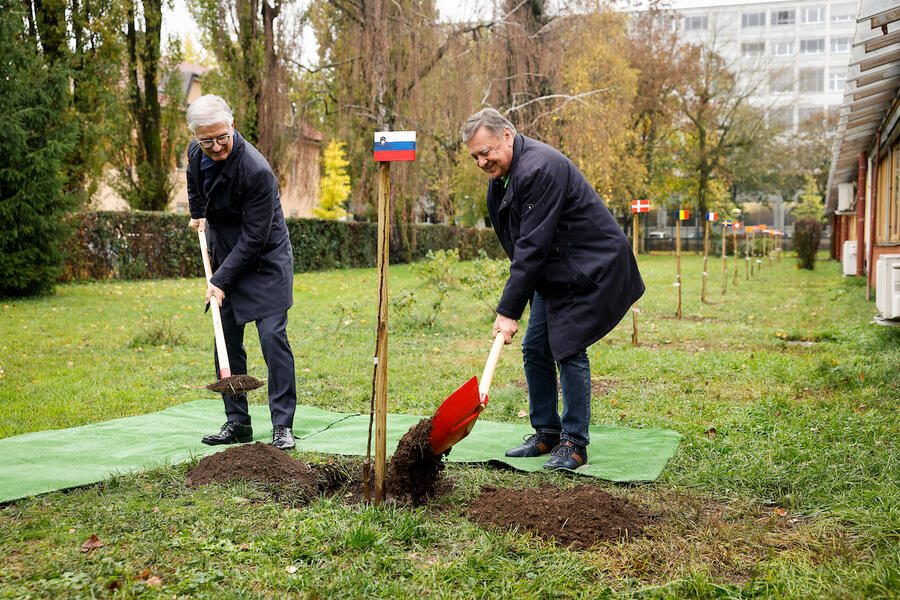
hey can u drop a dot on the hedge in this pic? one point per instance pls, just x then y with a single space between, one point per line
155 245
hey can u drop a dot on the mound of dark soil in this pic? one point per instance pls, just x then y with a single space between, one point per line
414 471
257 462
578 517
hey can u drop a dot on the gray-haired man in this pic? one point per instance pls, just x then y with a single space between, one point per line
233 196
570 259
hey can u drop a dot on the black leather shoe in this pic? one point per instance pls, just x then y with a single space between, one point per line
567 456
538 444
282 438
232 433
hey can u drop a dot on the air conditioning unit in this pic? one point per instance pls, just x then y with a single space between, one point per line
848 258
887 286
846 197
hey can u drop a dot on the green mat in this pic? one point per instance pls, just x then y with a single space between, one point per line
44 461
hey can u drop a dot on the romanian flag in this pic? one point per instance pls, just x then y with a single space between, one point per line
711 216
639 206
684 215
395 145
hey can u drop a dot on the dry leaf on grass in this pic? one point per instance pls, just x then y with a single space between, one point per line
523 413
91 543
154 581
291 569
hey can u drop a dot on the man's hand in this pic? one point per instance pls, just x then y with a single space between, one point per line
197 224
214 292
508 327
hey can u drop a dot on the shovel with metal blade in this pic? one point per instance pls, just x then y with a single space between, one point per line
228 383
456 416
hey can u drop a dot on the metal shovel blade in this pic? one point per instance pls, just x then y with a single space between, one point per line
455 417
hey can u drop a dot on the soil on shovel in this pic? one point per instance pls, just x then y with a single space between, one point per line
235 384
415 471
577 517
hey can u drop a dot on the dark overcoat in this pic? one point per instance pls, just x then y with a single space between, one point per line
250 251
563 243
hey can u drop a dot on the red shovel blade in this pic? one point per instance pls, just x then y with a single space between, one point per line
455 417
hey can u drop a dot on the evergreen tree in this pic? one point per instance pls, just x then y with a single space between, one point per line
334 186
810 205
37 137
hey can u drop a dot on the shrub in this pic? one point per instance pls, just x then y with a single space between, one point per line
807 235
37 136
151 245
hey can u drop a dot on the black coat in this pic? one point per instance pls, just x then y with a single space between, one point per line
563 243
250 251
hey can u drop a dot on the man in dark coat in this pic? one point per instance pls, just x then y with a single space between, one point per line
233 196
570 259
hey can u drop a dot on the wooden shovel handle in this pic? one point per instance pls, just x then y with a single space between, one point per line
485 382
221 349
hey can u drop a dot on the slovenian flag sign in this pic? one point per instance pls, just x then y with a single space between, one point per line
395 145
683 215
639 206
711 216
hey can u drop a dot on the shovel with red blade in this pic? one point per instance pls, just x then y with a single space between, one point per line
456 416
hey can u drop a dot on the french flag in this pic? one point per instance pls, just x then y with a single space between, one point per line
395 145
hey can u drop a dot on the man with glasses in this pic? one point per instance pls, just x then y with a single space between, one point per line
233 197
570 259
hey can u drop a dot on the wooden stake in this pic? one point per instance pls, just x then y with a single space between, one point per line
724 256
749 268
678 262
705 260
736 253
384 230
634 248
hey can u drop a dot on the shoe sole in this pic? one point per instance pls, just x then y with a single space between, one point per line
579 468
219 443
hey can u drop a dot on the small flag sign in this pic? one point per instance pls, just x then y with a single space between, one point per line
711 216
639 206
737 225
395 145
727 223
763 227
684 215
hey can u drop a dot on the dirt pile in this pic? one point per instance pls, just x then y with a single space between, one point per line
577 517
236 384
414 471
263 463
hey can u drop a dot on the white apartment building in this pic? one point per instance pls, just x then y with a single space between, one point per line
792 55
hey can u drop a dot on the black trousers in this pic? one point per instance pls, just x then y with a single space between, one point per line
276 350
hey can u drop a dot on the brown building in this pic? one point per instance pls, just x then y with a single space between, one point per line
863 195
299 186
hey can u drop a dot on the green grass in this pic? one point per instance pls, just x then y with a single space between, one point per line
795 495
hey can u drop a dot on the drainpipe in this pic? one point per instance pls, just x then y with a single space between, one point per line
861 214
872 216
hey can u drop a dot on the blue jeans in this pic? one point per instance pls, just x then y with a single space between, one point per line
540 373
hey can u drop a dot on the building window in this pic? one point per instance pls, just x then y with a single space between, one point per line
782 81
782 47
753 49
756 19
812 14
837 82
840 44
696 23
843 12
782 116
783 17
816 46
812 80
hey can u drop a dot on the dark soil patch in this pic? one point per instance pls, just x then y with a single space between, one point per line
236 384
577 517
264 463
414 470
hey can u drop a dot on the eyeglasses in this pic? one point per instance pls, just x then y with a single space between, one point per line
220 140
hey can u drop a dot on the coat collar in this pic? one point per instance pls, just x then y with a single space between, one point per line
518 148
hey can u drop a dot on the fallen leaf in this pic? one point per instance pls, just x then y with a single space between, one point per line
780 512
71 530
711 432
113 585
91 543
143 575
154 581
244 546
861 376
523 413
156 509
291 569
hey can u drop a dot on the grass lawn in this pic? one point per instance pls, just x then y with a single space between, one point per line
785 484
